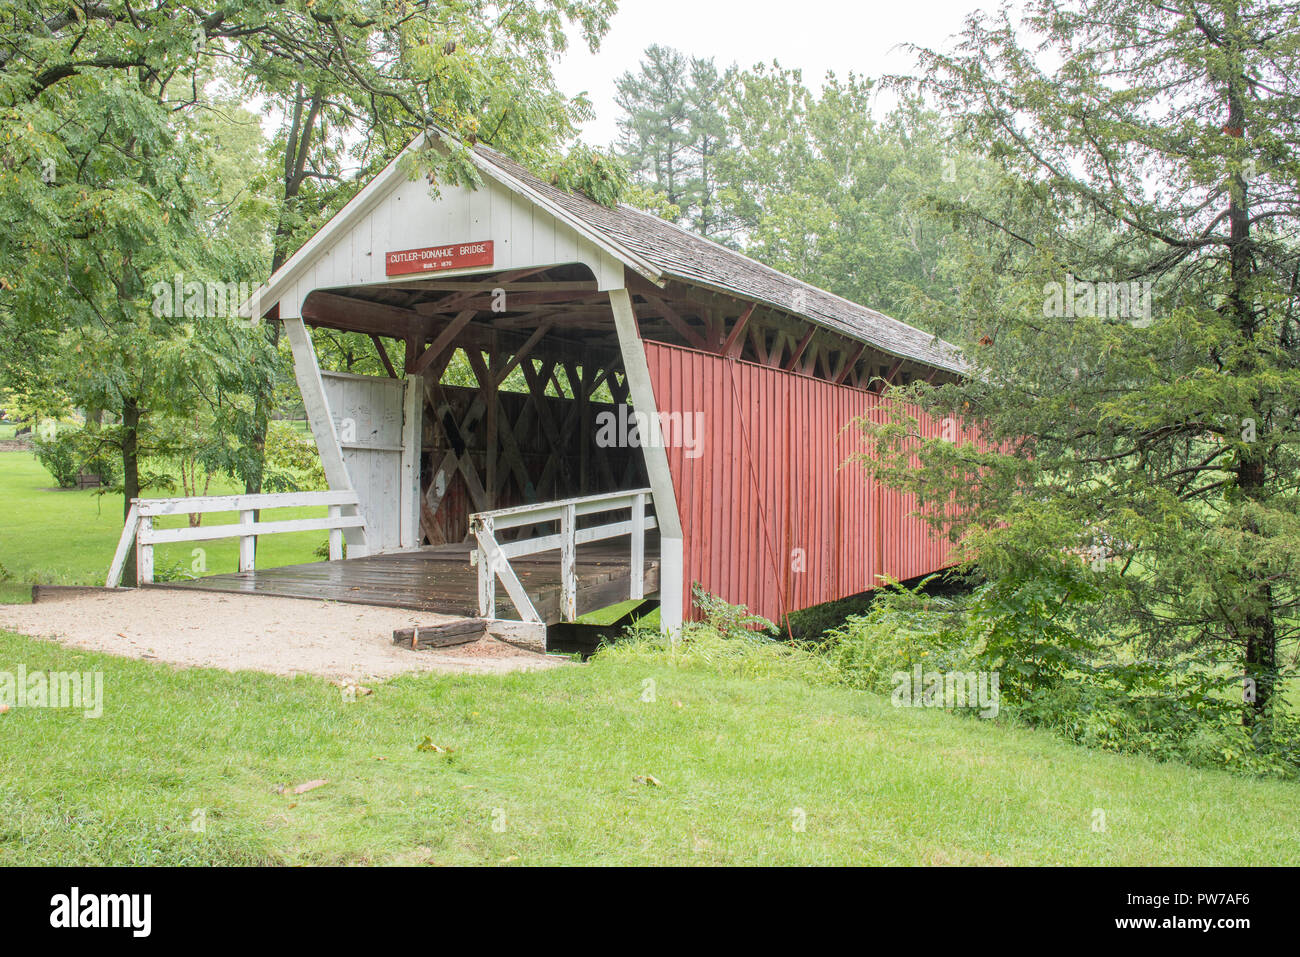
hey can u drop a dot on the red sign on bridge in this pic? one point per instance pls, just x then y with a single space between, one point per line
438 258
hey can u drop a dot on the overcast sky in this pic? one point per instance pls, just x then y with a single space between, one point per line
813 35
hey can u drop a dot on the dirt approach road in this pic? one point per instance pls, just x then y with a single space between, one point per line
281 636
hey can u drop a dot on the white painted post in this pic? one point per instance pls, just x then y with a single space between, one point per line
336 535
126 542
412 411
672 604
569 563
307 371
487 573
247 543
143 552
638 546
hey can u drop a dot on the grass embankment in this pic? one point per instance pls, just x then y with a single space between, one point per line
560 767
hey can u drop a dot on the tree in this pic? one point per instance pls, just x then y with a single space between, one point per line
655 133
110 182
1135 291
812 183
708 140
355 86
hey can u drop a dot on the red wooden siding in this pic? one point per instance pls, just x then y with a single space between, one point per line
774 515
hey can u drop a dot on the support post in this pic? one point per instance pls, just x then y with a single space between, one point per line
638 547
143 552
569 563
126 542
641 390
336 535
412 429
307 372
247 543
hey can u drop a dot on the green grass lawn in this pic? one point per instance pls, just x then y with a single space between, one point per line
66 537
544 767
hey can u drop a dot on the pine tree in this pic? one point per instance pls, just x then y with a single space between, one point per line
1134 295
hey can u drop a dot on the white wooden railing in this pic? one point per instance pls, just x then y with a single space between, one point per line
493 557
139 526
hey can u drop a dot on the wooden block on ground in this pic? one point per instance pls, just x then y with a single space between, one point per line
529 635
459 632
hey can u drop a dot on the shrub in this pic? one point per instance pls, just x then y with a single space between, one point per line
1055 673
902 629
730 641
292 463
1187 710
59 453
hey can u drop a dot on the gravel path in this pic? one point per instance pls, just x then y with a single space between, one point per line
281 636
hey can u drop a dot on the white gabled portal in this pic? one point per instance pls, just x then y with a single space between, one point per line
395 213
512 231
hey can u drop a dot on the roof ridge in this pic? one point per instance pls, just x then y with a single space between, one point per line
837 312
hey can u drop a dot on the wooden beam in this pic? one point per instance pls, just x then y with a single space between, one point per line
849 363
310 386
733 345
521 353
362 315
675 319
888 378
472 287
800 349
452 303
412 431
445 338
383 356
485 303
459 631
758 338
637 372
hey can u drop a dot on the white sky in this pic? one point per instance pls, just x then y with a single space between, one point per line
812 35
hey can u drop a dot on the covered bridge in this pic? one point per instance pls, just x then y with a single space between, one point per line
696 393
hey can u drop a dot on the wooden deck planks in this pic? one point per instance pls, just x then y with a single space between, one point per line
441 580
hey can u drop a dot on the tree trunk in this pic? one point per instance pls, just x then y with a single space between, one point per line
130 471
1259 629
297 146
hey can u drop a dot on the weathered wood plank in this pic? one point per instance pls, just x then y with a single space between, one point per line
459 632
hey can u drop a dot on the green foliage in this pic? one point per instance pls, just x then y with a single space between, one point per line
810 182
1055 673
730 621
292 462
1184 710
60 454
673 135
596 174
901 629
728 640
66 450
1156 448
1031 629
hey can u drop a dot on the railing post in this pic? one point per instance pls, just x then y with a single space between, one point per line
638 546
127 541
336 534
569 563
487 573
143 552
247 543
